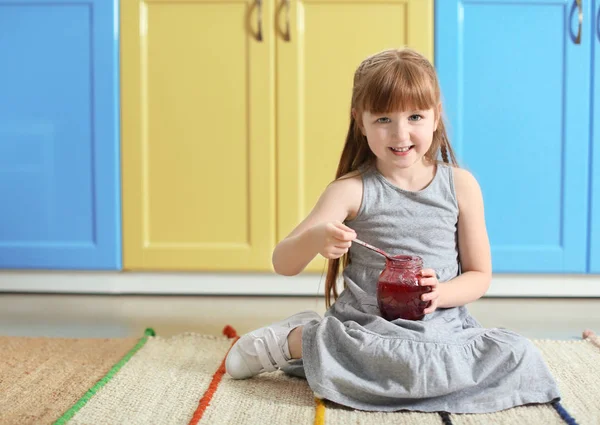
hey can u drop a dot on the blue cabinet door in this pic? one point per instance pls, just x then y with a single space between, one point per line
595 192
517 93
59 135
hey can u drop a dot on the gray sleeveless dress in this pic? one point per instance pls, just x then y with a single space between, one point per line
445 362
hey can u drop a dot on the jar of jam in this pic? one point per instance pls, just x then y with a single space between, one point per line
399 290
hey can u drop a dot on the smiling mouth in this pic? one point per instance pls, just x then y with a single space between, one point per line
402 150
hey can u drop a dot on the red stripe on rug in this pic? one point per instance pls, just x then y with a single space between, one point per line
229 332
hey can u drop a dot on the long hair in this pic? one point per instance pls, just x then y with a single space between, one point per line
391 80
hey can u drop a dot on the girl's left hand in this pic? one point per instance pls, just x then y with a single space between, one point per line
429 278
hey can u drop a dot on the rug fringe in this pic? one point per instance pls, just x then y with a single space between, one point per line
229 332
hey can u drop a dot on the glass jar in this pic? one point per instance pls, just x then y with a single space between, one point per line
399 290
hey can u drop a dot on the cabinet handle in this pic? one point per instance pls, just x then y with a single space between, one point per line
288 35
580 17
598 24
259 36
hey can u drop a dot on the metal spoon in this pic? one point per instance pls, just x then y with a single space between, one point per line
372 248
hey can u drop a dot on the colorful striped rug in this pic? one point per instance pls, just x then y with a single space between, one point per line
182 380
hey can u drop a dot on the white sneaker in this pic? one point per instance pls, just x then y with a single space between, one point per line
264 350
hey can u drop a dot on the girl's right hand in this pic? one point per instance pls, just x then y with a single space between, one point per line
334 239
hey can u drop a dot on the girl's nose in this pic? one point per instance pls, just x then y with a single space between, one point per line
401 133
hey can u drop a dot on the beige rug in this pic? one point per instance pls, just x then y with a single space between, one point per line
181 380
41 378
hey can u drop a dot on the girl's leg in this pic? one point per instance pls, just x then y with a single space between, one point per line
295 342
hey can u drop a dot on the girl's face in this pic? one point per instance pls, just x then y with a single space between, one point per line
399 139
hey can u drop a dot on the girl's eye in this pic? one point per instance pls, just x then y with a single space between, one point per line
384 120
415 117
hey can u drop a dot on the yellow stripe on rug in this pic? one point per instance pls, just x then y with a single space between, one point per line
319 412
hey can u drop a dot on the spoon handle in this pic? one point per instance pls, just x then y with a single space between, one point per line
371 247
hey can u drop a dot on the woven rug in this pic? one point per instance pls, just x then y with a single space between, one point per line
182 380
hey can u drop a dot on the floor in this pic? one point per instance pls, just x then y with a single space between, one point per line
128 315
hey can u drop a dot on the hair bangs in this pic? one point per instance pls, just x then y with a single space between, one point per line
401 86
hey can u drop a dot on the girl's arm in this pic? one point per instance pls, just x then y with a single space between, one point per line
322 230
473 246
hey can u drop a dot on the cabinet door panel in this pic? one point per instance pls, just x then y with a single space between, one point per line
59 141
516 87
198 142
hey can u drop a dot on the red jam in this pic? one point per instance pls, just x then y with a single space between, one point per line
398 289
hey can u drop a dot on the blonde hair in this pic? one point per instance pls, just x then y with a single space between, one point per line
391 80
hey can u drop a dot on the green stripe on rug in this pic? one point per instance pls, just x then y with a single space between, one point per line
92 391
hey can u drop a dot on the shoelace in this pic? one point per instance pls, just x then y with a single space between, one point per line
269 355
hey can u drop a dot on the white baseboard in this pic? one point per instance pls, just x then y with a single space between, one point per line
260 284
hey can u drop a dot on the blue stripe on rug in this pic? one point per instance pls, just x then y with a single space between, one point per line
445 418
563 413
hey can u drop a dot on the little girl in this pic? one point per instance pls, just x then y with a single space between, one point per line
392 192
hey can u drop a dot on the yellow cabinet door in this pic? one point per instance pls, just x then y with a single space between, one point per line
198 142
315 66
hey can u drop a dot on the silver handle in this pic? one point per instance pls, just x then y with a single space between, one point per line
288 35
598 23
580 16
259 36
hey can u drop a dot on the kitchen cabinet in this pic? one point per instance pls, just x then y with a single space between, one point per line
59 135
234 117
517 85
